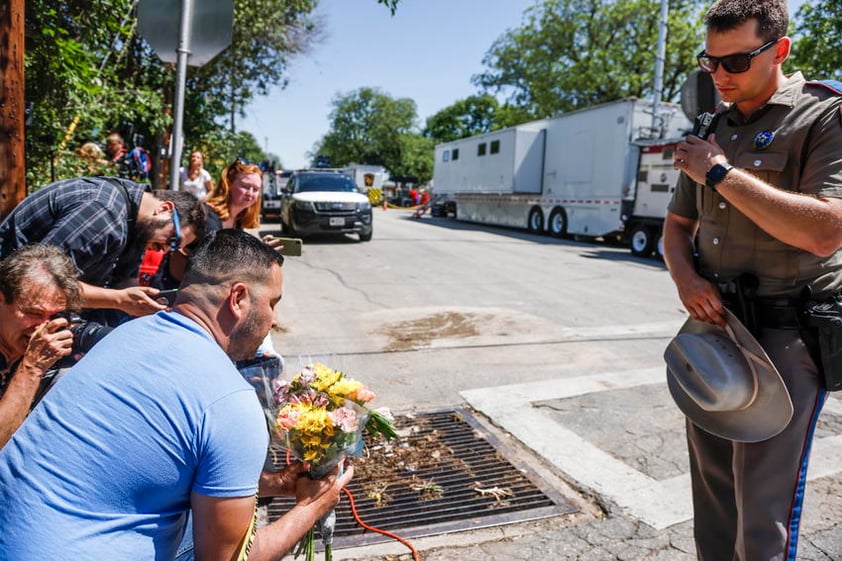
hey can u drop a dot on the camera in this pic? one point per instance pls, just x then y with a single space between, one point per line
86 334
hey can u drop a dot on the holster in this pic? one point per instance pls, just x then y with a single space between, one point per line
740 296
819 323
822 332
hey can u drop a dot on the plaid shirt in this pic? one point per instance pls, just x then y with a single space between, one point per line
87 217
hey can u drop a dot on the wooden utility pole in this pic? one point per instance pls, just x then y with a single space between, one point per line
12 162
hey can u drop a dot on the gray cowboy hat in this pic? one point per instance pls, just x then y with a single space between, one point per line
725 383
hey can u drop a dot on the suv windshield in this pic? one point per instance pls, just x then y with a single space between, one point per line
325 182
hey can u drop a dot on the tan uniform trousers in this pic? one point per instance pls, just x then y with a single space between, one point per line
748 497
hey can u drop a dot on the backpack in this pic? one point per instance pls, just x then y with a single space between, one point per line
136 164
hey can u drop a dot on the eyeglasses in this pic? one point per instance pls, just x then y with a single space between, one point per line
733 64
241 162
174 241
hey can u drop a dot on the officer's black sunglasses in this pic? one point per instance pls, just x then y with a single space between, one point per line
733 64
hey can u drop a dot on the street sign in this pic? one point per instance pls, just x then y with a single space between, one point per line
210 28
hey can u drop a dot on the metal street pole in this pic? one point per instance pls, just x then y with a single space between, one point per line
182 54
659 68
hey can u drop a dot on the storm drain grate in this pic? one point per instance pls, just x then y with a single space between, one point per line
447 474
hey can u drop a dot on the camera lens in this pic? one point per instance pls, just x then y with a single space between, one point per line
86 334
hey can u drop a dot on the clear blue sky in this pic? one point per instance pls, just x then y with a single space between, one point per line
427 52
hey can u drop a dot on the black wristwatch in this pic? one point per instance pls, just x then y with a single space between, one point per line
716 174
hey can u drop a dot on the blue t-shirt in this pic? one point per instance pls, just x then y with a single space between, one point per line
103 468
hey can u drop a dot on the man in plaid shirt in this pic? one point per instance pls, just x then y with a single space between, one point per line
104 224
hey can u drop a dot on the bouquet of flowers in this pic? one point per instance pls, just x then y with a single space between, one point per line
321 417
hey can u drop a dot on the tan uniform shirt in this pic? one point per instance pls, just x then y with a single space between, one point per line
793 143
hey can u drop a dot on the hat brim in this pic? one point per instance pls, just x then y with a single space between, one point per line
765 417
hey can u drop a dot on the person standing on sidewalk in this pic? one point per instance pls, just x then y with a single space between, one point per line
194 178
760 196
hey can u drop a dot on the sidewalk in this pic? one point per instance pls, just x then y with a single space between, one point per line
608 453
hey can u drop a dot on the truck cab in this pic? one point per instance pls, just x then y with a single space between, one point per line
643 214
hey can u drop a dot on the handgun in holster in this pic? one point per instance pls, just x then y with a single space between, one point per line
824 320
740 296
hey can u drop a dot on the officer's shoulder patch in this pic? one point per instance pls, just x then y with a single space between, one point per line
833 85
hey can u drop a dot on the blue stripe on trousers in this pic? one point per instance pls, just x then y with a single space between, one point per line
798 498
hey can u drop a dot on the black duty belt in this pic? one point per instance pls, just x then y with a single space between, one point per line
777 313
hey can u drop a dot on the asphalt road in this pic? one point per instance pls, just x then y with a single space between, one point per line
432 307
557 345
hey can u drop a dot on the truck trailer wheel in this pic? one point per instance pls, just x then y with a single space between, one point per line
642 241
536 221
558 223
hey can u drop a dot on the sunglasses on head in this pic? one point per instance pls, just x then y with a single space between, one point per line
733 64
241 162
174 241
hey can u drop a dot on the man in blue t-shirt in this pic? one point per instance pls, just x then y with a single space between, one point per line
154 421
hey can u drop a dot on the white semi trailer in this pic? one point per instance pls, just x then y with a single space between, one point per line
577 174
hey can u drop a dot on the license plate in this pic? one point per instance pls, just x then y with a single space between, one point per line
337 221
272 204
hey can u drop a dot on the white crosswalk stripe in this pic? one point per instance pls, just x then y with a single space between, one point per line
659 503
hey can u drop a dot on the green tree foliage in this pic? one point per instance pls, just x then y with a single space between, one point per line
369 127
415 158
571 54
267 34
467 117
391 4
819 33
222 147
508 115
473 115
88 73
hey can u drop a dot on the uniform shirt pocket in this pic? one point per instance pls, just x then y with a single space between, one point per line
766 166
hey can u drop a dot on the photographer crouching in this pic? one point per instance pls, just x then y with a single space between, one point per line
38 285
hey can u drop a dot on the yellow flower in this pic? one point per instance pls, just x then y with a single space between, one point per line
345 387
314 419
311 455
325 377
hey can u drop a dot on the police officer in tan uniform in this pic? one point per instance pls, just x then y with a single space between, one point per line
762 195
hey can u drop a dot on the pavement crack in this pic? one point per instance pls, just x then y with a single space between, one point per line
341 280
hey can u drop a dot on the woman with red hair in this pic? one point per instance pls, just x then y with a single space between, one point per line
235 201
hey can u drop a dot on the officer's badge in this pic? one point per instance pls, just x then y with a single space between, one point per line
763 139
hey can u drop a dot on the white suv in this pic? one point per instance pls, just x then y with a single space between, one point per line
325 202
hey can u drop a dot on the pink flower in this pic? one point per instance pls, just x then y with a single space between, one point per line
305 397
288 418
282 392
363 395
307 376
346 419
